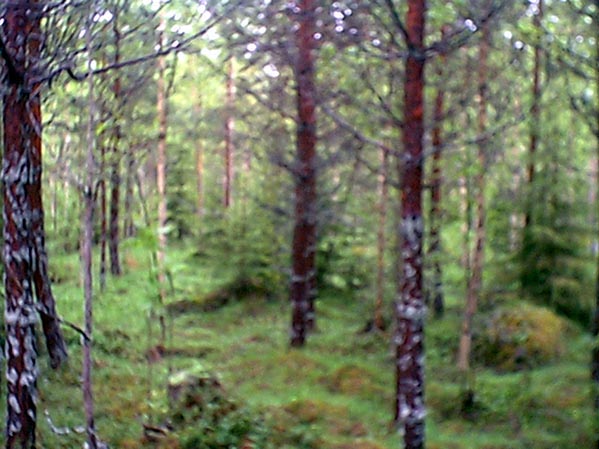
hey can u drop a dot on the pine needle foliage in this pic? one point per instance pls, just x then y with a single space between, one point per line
554 256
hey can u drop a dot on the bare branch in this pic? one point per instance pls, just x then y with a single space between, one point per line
458 37
356 132
176 46
398 22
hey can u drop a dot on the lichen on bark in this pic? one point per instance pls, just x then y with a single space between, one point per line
24 252
410 308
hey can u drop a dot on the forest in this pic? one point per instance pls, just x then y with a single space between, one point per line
300 224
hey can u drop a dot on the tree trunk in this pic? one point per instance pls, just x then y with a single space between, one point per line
304 233
466 208
161 105
57 181
115 176
103 221
535 120
143 201
379 322
86 258
474 284
199 166
434 251
229 129
25 258
410 308
128 226
21 351
466 188
595 323
113 225
43 287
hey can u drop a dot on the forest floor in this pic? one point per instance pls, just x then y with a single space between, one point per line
337 393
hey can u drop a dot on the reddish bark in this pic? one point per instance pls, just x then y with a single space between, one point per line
43 287
410 308
25 257
229 127
303 278
20 310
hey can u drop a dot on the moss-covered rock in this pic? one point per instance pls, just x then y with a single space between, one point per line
520 337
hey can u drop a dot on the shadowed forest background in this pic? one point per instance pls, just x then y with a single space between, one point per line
261 224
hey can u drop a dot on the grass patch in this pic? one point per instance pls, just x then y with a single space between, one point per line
337 393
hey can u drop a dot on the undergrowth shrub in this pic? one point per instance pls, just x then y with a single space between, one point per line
247 246
345 258
553 259
553 272
520 337
206 417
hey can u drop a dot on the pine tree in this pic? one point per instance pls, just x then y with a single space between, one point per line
25 259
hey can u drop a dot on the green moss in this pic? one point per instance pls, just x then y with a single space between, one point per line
521 337
351 380
365 444
445 445
443 400
335 393
310 411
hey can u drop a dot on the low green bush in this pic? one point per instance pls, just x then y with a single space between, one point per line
520 337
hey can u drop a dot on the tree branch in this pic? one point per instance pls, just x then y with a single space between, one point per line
173 48
356 133
398 22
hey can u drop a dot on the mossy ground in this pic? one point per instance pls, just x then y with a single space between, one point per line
337 393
